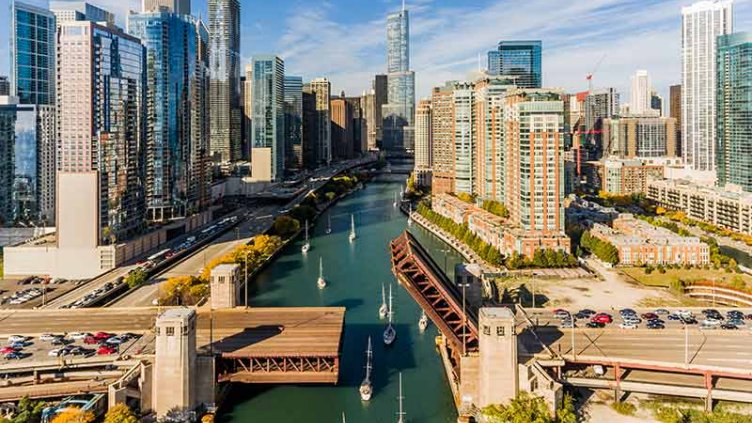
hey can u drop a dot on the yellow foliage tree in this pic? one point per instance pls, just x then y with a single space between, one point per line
183 290
120 413
75 416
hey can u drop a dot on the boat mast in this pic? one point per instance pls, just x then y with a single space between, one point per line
401 412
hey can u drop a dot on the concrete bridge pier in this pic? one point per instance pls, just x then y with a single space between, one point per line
709 397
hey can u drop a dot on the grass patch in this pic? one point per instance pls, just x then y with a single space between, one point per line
664 279
624 408
680 412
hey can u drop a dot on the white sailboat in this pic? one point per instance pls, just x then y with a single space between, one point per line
352 228
390 333
366 389
410 215
328 224
321 282
394 204
423 322
401 413
384 309
402 192
307 244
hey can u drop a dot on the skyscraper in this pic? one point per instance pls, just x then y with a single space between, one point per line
247 106
423 143
734 85
675 112
4 86
224 92
702 23
399 112
66 11
101 127
442 122
368 105
380 98
268 118
181 7
518 58
639 102
32 52
656 103
317 137
175 144
294 121
342 128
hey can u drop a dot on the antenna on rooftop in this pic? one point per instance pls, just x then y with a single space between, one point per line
403 6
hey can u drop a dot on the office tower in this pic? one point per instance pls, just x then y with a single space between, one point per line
174 148
399 112
247 99
369 116
442 123
675 112
224 90
268 118
734 99
100 120
342 128
518 58
4 86
358 124
656 103
639 102
423 143
317 137
380 98
535 164
294 121
181 7
600 104
639 136
66 11
465 135
702 23
32 53
27 163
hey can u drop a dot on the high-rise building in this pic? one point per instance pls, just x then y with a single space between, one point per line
640 99
32 52
675 111
268 118
423 143
359 126
639 136
734 99
66 11
518 58
599 105
342 128
176 145
465 137
317 136
4 86
380 98
224 91
702 23
100 93
656 103
247 99
27 166
442 123
181 7
399 112
294 121
368 104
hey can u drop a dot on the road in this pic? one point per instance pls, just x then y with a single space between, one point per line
73 295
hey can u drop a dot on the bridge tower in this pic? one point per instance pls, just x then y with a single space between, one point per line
175 361
497 370
225 283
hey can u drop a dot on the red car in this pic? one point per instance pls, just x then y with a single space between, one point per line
105 350
648 316
602 318
7 350
90 340
103 336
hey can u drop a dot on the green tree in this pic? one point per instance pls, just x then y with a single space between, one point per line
285 226
29 411
525 408
120 413
136 277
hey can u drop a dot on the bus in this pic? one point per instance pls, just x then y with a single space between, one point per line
159 256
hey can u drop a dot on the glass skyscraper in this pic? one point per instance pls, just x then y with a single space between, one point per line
268 118
734 110
518 58
399 112
176 143
294 121
32 50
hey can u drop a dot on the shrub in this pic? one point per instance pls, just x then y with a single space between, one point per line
624 408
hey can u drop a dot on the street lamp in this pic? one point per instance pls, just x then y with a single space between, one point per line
464 318
533 285
246 278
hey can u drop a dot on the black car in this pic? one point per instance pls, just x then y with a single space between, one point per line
689 321
596 325
729 326
656 321
655 325
673 317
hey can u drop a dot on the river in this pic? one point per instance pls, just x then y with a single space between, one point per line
354 273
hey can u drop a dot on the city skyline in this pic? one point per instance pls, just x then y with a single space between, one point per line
348 48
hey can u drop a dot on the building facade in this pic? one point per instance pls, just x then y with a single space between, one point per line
423 143
180 7
522 59
294 122
638 136
100 93
640 98
734 110
66 11
32 53
702 23
317 135
342 128
626 176
380 94
675 112
176 112
442 122
224 88
4 86
399 112
268 118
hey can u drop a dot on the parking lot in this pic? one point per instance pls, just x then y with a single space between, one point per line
33 291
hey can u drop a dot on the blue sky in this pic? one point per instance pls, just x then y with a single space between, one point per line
345 39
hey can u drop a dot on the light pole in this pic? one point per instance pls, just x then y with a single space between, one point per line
686 344
246 278
533 284
464 319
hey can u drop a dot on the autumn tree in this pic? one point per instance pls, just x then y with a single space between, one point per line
120 413
75 416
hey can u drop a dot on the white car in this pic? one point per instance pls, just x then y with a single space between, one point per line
115 340
78 335
47 337
628 325
684 313
57 352
16 338
711 322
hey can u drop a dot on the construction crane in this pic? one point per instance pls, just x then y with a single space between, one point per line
589 77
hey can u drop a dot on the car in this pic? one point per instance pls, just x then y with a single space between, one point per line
626 311
567 324
708 327
673 316
684 313
648 316
729 326
561 313
628 325
91 340
115 340
58 352
106 350
602 318
689 320
7 350
16 355
595 325
661 311
80 351
655 325
632 320
17 345
657 320
47 337
78 335
587 311
748 317
17 338
60 341
711 322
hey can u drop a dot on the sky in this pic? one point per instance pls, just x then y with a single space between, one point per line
345 40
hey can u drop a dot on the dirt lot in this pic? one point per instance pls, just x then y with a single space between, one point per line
664 279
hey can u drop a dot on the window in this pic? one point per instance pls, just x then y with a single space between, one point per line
486 330
170 331
500 331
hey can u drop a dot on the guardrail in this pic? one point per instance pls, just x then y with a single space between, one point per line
719 295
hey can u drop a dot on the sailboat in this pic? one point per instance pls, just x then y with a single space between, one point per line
352 228
389 333
321 282
329 224
423 322
343 417
401 413
384 309
366 390
410 215
394 204
402 192
307 245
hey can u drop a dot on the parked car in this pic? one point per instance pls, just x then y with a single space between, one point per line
595 325
628 325
15 355
106 350
17 338
602 318
78 335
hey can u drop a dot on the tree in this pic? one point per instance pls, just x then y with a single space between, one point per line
468 198
183 290
524 408
566 413
285 226
120 413
29 411
136 277
75 416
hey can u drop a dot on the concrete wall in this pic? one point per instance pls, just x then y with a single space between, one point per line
77 210
205 376
175 361
498 380
72 263
261 164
